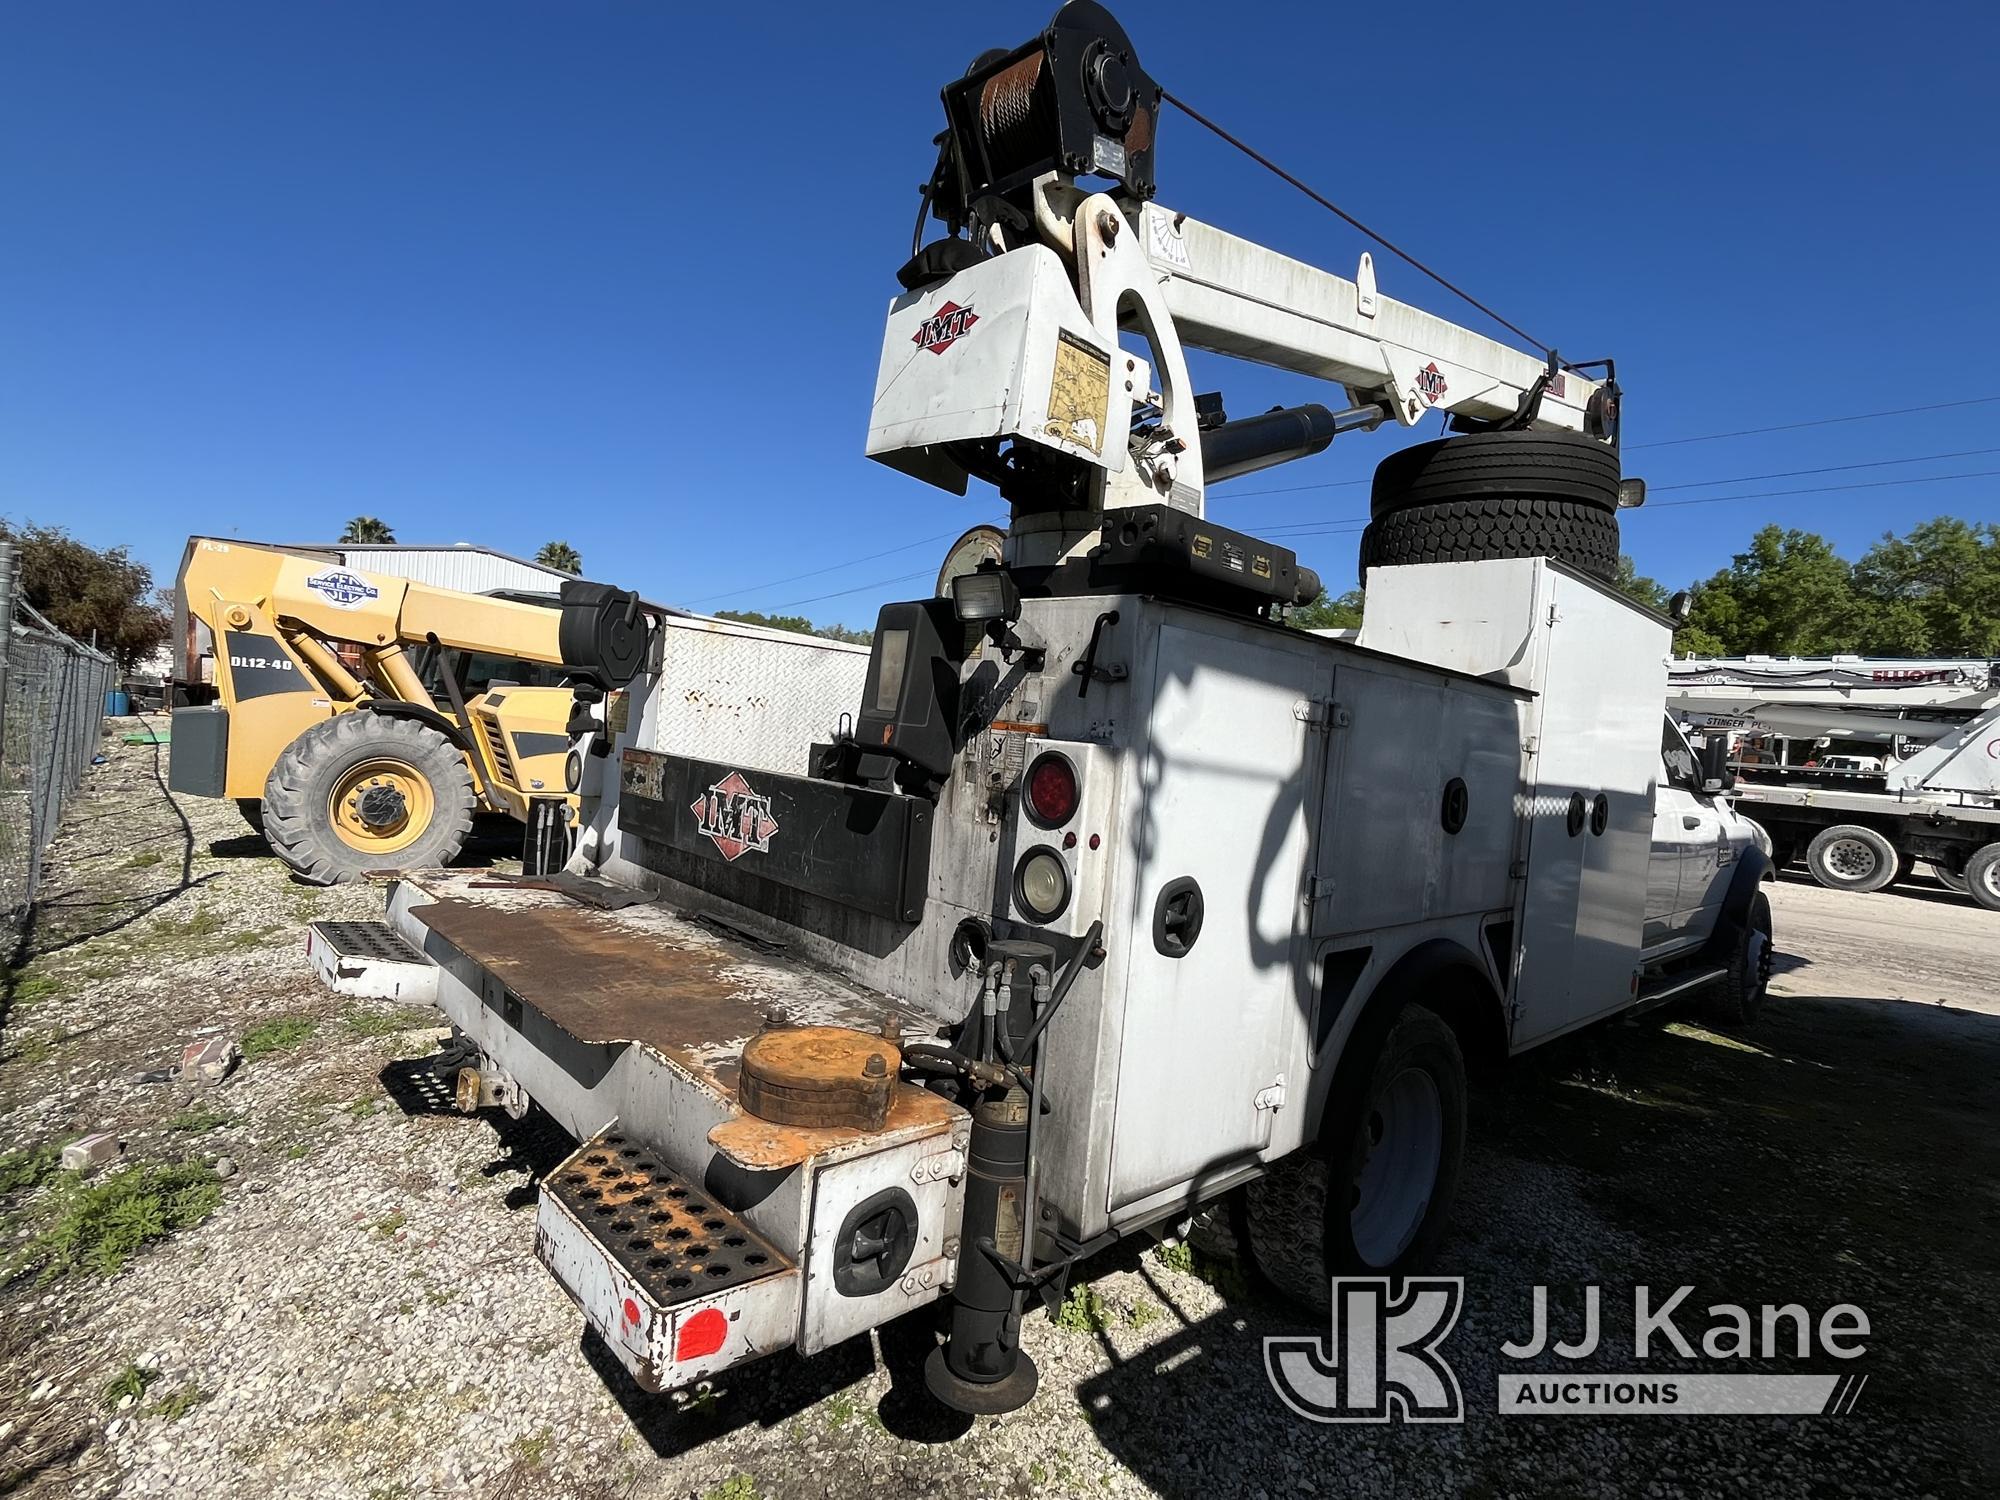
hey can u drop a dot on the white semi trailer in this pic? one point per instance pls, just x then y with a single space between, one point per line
1115 895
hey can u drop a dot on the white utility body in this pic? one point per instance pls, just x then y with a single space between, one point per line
1115 894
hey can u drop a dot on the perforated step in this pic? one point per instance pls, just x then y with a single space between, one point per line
376 940
670 1236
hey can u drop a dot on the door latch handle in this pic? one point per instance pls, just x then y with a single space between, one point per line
1689 820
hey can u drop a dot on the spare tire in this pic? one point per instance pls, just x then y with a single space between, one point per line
1478 465
1572 531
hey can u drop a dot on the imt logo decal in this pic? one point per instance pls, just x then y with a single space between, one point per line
1430 383
1379 1359
736 819
945 327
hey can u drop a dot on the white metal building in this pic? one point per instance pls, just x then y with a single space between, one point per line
459 565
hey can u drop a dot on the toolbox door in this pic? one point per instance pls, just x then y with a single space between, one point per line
1225 784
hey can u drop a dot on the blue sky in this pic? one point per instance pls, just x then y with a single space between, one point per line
615 273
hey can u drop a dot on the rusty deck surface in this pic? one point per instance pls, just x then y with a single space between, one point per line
644 974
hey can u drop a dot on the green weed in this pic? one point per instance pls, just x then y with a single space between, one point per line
1084 1310
98 1225
281 1035
130 1381
30 1167
177 1404
735 1487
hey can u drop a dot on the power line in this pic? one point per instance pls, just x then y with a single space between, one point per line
863 588
1826 489
1865 416
829 568
1335 209
1880 463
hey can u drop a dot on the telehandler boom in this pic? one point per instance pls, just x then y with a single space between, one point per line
320 725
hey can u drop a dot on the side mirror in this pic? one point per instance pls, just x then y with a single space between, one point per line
1680 607
1714 756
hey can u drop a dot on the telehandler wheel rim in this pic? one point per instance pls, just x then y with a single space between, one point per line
1851 859
1400 1148
381 806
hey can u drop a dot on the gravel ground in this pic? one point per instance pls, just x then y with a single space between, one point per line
362 1314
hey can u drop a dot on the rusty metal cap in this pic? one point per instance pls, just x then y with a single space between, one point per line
819 1076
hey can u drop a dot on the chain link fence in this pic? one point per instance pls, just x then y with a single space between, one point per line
52 690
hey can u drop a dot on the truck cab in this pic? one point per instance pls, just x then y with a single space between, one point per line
1698 838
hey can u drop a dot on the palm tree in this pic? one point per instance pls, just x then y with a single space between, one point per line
561 556
367 529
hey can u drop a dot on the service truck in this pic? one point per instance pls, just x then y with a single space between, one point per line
1114 896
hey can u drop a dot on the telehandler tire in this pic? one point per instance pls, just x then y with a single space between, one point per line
361 792
1852 857
1374 1197
1572 531
252 809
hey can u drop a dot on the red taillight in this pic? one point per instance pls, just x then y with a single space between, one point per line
1051 790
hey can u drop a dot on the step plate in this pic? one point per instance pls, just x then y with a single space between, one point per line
677 1286
370 961
673 1239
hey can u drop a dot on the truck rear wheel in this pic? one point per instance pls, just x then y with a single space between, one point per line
1951 880
1982 876
1374 1200
1850 857
362 792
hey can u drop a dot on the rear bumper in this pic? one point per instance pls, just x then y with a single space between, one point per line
629 1022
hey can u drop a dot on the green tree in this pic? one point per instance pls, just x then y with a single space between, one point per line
1328 613
560 556
94 596
1636 585
367 529
1789 594
1933 592
798 625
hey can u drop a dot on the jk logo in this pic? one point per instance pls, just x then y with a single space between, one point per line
1380 1359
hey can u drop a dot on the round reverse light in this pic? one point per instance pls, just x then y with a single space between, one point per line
1051 790
1041 884
573 770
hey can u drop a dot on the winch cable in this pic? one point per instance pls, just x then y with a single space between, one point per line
1334 208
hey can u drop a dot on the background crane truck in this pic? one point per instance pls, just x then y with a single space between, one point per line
1115 895
346 769
1926 785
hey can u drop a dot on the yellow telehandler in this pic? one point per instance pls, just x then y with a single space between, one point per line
336 712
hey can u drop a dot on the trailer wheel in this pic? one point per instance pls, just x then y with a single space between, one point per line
252 809
1481 465
1572 531
1737 999
1849 857
1982 876
1951 880
362 792
1373 1200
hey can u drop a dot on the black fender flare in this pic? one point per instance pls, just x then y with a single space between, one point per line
1443 975
402 708
1744 887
